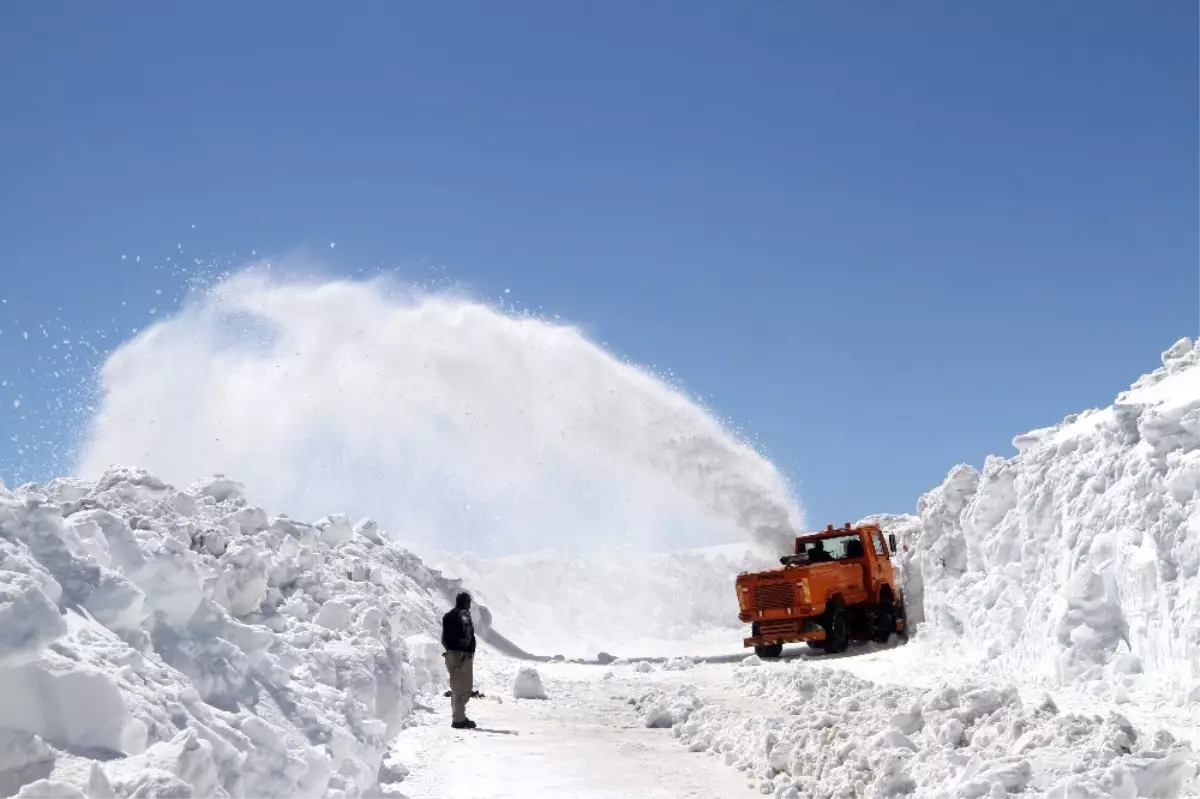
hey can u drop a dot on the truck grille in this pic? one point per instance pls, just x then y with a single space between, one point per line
779 627
774 595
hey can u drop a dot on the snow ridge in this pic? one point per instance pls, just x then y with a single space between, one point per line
1079 556
159 642
833 734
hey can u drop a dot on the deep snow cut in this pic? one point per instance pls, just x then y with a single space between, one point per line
457 425
1079 558
157 642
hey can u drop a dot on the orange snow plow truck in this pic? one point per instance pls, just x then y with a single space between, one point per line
838 585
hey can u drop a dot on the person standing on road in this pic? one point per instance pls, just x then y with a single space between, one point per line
458 639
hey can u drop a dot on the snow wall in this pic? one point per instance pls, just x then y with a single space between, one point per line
1077 557
156 642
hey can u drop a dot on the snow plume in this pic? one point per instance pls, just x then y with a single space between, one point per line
1081 554
616 601
455 424
156 642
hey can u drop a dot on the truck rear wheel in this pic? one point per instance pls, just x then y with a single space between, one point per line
769 650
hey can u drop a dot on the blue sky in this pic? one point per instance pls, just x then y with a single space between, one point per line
882 239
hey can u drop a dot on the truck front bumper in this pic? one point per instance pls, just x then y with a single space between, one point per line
785 631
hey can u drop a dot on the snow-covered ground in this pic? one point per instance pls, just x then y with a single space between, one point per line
584 740
801 727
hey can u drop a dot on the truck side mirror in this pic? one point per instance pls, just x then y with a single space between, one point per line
892 541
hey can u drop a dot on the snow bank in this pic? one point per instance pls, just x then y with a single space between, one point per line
622 600
164 642
1079 557
838 735
528 684
666 707
906 528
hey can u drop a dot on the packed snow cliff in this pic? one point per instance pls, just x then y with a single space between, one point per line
1078 558
158 642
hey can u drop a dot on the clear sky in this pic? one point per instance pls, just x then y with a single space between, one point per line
882 238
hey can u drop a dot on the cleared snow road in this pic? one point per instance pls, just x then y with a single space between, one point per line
585 740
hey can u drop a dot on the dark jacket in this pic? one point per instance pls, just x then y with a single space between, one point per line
458 633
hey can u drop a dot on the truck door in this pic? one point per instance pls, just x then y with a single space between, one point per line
881 565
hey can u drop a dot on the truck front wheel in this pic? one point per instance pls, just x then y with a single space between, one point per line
769 650
837 635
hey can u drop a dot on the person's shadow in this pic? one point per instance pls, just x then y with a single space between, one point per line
496 732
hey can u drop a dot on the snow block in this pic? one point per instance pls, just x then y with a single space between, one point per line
28 619
528 684
68 706
335 530
334 614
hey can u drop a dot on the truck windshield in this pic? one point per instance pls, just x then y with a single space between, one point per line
838 547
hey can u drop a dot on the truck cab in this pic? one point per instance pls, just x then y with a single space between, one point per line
837 585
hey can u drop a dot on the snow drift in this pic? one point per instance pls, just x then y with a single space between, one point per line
836 735
455 424
161 642
1079 556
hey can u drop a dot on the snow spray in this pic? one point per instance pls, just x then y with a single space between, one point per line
450 421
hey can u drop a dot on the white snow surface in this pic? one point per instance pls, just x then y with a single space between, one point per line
800 730
156 642
1078 558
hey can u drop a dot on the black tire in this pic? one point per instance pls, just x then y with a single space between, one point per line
769 650
837 634
883 619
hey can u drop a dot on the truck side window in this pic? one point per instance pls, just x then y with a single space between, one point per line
877 540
